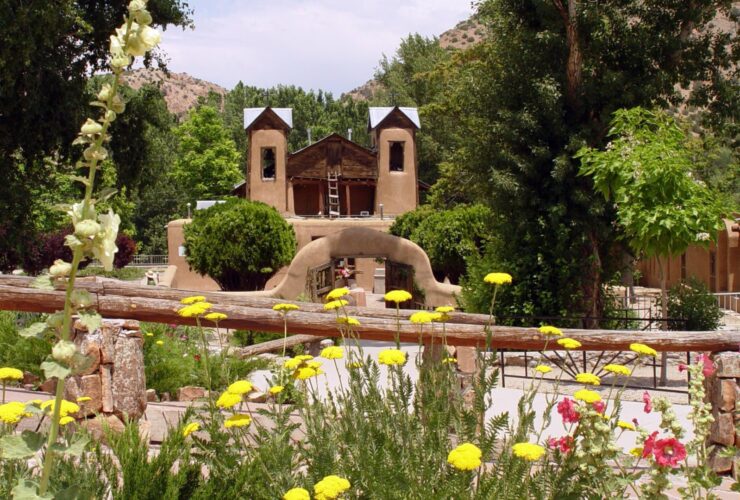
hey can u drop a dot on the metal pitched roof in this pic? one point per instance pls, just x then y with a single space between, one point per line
377 115
251 114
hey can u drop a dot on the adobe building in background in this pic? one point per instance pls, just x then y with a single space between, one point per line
325 187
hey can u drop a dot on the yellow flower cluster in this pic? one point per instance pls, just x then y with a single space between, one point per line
618 369
228 400
391 357
190 428
297 361
643 350
498 278
397 296
449 360
7 373
337 293
528 451
285 308
335 304
587 396
192 300
84 399
626 425
195 309
569 343
159 342
276 389
216 317
444 309
421 317
297 494
12 413
467 456
346 320
332 352
240 387
550 330
543 369
65 409
303 366
588 379
330 487
238 421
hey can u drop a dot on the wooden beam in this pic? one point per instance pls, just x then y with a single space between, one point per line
160 305
275 345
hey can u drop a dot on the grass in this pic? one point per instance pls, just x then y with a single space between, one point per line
125 273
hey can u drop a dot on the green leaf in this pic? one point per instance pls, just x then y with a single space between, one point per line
83 180
72 493
35 330
75 449
91 320
43 282
28 490
15 446
53 369
106 193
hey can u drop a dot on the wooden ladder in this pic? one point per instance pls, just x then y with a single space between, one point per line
333 181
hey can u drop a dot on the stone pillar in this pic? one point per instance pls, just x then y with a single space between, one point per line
723 391
115 380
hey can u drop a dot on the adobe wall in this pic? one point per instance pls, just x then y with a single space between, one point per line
272 192
183 277
397 191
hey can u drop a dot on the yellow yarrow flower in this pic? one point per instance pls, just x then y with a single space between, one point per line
240 387
543 369
332 352
196 309
467 456
391 357
618 369
355 364
626 425
421 317
498 278
8 373
276 389
228 400
65 408
192 300
66 420
587 396
550 330
159 342
84 399
636 452
190 428
330 487
397 296
216 317
449 360
149 334
444 309
13 412
304 357
569 343
337 293
588 379
285 308
643 350
345 320
237 421
528 451
297 494
335 304
297 361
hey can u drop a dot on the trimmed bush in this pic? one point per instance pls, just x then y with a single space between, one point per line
695 307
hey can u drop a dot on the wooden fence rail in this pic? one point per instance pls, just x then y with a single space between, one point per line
115 299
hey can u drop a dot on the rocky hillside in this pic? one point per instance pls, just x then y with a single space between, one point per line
180 90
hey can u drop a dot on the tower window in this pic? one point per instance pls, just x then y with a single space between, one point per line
268 163
396 163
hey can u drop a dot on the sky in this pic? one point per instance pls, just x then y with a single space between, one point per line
333 45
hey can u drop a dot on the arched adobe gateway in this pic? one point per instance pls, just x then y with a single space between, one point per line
362 242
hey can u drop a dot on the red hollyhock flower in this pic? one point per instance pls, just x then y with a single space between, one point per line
567 410
682 367
564 444
648 402
709 368
668 452
649 445
599 406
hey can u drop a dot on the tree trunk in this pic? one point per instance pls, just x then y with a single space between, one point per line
574 65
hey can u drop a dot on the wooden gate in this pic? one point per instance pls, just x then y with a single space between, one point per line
401 277
320 281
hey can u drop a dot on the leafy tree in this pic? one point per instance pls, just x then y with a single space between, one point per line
207 166
240 244
544 83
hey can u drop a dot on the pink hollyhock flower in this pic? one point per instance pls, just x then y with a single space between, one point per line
564 444
634 421
649 445
709 368
682 367
668 452
599 406
567 410
648 402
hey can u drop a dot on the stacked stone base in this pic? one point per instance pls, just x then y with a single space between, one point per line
723 392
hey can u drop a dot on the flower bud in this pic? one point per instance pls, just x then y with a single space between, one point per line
143 17
104 93
117 105
120 61
87 228
149 37
60 268
95 153
63 351
110 115
135 46
81 298
136 5
91 127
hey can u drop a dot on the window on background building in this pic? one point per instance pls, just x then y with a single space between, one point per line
268 163
396 155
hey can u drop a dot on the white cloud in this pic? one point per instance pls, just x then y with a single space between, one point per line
329 44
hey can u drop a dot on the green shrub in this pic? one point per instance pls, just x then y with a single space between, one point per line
124 273
16 351
240 243
244 338
694 307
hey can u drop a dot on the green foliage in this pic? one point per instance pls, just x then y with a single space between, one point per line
207 166
694 306
23 353
125 273
646 171
245 338
449 237
239 243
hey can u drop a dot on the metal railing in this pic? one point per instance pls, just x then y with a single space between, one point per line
142 260
729 301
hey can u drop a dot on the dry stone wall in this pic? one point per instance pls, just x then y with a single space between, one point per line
723 391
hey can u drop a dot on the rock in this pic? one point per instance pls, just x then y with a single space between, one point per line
128 382
89 345
191 393
165 397
718 463
72 388
91 387
108 333
727 364
724 392
723 429
145 430
256 397
131 324
326 343
151 396
29 387
101 424
313 348
30 379
268 356
106 385
49 386
467 359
